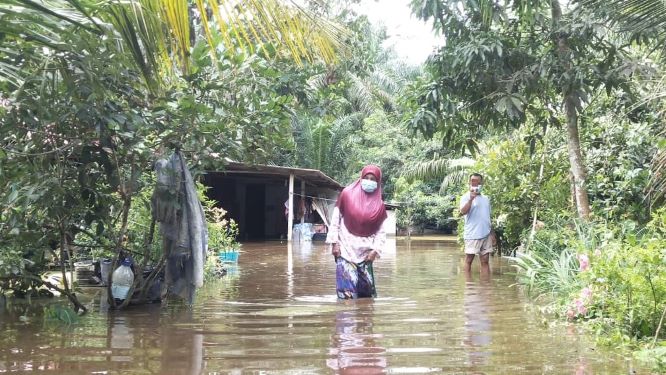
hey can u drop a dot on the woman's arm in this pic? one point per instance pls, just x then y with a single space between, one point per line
378 244
333 235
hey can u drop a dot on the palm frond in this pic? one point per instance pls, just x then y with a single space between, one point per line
157 32
59 10
348 124
386 80
286 26
361 93
633 16
32 23
656 187
387 100
436 168
125 22
455 177
316 83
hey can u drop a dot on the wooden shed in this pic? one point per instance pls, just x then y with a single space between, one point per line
256 197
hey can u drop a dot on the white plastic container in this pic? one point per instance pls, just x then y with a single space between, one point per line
122 279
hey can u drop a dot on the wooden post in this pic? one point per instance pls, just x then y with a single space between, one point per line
290 216
302 200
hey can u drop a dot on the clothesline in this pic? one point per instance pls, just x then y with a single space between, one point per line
310 196
335 200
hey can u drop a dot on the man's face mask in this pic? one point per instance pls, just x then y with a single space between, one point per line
368 185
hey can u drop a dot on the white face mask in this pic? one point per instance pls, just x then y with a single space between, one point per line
368 185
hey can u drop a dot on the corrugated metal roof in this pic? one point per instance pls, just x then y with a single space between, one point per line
312 176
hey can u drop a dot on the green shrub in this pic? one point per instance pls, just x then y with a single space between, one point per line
222 235
511 181
629 279
554 276
422 208
614 276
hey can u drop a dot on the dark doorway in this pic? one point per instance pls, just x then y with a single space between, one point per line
255 214
224 192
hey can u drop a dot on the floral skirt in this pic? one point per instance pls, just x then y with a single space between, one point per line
354 280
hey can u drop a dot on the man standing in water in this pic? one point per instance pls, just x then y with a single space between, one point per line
475 208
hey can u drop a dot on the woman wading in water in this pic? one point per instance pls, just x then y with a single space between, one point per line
357 236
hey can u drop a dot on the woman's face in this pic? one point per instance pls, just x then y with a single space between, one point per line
370 176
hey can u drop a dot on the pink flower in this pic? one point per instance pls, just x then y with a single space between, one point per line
582 310
586 293
570 314
579 304
584 262
597 252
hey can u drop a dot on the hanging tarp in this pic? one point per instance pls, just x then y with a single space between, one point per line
324 208
177 208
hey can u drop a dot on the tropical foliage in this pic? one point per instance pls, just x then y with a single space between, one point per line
93 94
508 63
557 104
562 113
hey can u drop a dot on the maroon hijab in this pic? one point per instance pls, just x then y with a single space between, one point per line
363 212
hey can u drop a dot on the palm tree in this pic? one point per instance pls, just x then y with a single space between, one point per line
321 144
158 32
325 143
453 172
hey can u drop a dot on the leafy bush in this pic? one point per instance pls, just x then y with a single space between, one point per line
613 276
628 276
619 171
511 180
541 275
421 208
222 235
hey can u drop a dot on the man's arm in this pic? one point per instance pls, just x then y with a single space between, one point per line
468 205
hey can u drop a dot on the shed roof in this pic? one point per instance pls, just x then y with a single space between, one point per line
311 176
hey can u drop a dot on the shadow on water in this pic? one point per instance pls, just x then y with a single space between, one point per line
276 312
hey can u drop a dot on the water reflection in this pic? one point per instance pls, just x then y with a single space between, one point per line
182 348
122 339
155 339
477 324
354 346
304 249
276 312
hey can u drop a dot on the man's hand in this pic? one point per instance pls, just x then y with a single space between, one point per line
371 256
335 250
465 209
473 194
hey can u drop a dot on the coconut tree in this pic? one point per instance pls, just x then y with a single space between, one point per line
159 34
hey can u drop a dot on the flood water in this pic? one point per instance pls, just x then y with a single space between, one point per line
276 313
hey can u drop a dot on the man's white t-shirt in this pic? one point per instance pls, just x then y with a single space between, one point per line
477 220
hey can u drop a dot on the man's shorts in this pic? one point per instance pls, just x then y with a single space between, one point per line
481 246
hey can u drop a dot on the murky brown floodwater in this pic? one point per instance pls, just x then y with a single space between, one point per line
276 313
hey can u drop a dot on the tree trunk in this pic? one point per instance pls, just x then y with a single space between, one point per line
571 105
576 159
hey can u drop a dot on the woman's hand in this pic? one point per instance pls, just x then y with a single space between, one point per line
335 250
371 256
